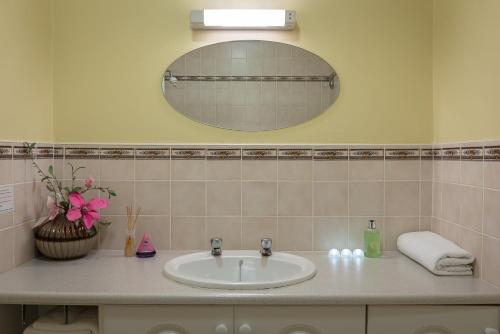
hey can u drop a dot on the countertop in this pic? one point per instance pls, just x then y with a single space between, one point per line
106 277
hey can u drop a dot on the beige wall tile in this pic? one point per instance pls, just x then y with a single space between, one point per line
471 208
6 250
294 170
361 170
451 231
6 171
259 198
452 195
451 171
402 198
491 269
92 167
330 232
188 169
152 169
330 170
472 173
398 170
426 198
6 219
425 223
29 202
426 170
122 170
153 197
295 233
366 198
492 174
20 168
188 198
437 199
113 236
125 196
492 212
330 198
223 198
357 226
223 169
227 228
472 242
187 233
24 244
395 226
438 171
294 198
158 227
261 170
256 228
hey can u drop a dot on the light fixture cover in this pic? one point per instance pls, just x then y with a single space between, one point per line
272 19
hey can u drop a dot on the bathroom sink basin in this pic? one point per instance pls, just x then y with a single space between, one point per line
239 270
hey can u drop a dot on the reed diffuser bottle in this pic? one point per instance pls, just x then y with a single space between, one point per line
131 225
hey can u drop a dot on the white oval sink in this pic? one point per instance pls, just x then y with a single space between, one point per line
239 270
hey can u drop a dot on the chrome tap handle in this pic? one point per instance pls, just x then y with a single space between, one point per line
216 244
266 246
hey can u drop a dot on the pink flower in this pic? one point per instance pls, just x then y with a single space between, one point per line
89 182
85 211
53 208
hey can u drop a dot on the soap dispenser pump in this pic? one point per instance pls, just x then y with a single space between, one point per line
372 240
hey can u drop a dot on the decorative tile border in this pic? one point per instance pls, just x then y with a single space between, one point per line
294 154
44 152
331 154
259 154
115 153
451 153
5 152
20 152
402 153
224 154
427 154
188 153
471 153
366 154
147 153
76 152
492 153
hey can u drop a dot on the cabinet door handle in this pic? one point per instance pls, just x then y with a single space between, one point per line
490 331
245 329
221 329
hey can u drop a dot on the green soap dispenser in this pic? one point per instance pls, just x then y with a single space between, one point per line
372 240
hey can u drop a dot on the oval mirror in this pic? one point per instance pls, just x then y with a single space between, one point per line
250 85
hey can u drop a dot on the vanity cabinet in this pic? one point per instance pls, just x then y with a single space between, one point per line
433 319
219 319
174 319
299 319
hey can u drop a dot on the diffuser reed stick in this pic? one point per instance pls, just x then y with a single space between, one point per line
132 216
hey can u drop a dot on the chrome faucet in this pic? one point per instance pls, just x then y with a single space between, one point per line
216 244
265 246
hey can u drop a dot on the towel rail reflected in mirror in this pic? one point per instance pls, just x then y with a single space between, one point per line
250 85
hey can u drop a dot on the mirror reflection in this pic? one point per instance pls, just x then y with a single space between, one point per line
250 85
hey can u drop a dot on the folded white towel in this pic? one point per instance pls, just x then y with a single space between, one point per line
437 254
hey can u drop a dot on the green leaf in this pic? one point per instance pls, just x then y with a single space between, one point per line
51 170
104 222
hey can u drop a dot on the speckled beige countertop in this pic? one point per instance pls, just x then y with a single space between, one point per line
106 277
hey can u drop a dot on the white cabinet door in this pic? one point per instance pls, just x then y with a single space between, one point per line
432 319
166 319
299 320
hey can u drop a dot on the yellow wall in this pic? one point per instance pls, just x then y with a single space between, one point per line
109 56
466 70
26 70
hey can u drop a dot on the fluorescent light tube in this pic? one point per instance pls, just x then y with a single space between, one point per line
273 19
